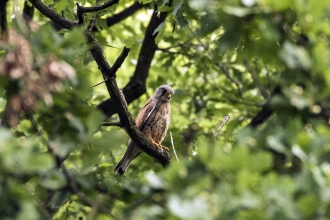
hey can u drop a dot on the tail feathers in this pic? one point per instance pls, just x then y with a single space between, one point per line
131 152
122 166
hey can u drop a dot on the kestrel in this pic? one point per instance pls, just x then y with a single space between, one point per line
153 120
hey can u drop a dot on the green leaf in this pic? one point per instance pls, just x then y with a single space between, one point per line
54 180
28 211
145 1
181 20
189 209
59 199
308 204
164 8
177 7
160 27
60 6
260 162
295 56
237 11
94 120
275 144
39 163
5 136
76 123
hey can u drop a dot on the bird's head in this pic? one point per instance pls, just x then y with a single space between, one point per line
164 93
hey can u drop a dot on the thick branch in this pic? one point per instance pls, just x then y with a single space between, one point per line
3 20
137 84
266 110
119 103
52 15
28 12
116 18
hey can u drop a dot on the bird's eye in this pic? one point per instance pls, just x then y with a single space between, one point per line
164 91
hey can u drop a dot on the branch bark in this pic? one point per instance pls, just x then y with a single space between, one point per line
52 15
118 102
28 12
265 111
116 18
100 7
3 21
82 10
137 84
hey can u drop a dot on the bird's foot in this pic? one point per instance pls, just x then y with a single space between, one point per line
164 147
160 146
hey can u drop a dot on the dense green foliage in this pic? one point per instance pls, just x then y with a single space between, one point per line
222 57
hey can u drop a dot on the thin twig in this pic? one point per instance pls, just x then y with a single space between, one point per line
176 156
81 9
254 76
232 79
116 123
42 209
223 122
119 101
117 98
100 83
175 53
98 7
92 23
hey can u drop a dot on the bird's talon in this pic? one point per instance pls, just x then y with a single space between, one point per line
164 147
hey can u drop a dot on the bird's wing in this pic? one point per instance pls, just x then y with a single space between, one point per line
132 150
145 112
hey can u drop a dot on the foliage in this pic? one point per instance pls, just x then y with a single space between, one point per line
238 58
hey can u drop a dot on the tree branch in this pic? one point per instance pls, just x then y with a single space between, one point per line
116 18
96 8
81 10
119 103
28 12
265 111
227 74
52 15
3 20
70 182
254 76
116 123
137 84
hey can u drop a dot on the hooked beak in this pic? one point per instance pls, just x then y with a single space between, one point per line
168 96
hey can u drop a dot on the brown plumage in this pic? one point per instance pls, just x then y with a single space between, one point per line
153 120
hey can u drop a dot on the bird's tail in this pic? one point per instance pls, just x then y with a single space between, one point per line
122 166
131 152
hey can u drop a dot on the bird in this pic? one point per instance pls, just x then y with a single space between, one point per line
153 121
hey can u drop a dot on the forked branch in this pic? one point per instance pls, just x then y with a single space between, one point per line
108 72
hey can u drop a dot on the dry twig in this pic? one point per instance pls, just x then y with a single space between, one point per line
222 123
176 156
